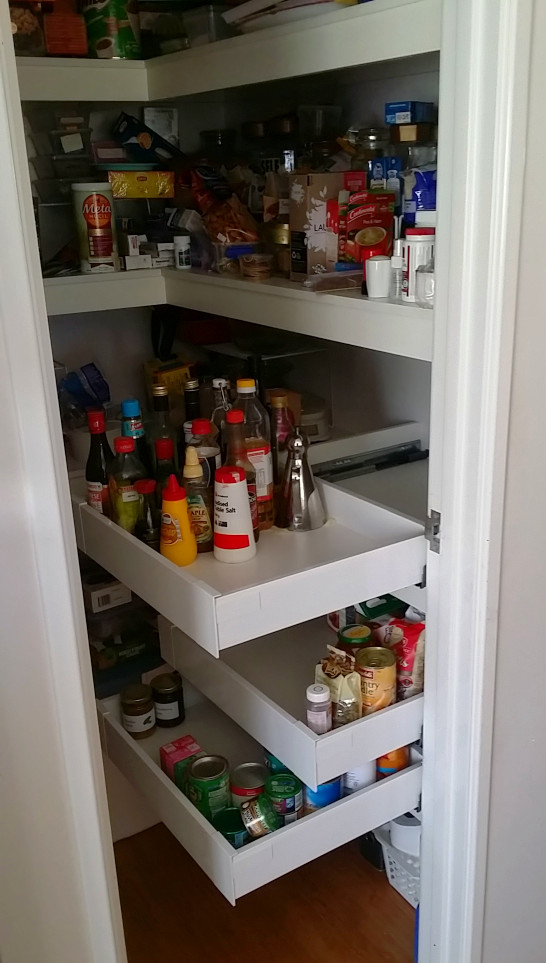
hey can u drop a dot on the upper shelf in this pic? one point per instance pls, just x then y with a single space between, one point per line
401 329
364 34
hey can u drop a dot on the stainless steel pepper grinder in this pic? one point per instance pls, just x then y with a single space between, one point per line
300 507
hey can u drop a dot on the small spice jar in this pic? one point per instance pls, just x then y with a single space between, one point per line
137 710
168 699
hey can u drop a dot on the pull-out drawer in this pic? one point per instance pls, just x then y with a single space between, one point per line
261 686
362 551
237 872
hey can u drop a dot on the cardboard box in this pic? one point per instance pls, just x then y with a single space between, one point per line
137 262
175 758
100 596
136 184
409 112
365 226
128 244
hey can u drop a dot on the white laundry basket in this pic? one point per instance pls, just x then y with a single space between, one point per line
402 870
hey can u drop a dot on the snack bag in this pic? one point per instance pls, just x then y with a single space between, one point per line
407 640
337 671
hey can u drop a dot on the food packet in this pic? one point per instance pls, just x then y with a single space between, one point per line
406 639
230 222
337 671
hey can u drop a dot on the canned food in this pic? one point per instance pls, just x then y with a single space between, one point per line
96 228
285 793
247 782
392 762
359 777
208 785
259 817
274 764
377 669
230 824
324 795
351 638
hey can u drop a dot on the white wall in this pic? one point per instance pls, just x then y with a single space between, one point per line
515 921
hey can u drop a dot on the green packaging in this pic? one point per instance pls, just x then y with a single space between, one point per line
112 28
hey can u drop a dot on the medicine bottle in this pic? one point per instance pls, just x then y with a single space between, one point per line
319 708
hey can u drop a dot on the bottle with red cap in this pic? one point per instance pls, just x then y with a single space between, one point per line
233 534
204 439
147 526
177 541
258 446
123 472
96 469
234 434
164 461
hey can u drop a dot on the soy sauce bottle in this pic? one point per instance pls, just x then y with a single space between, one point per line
96 469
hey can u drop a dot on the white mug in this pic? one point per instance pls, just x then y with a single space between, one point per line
378 276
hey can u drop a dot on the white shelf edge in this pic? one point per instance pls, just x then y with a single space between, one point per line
401 329
365 34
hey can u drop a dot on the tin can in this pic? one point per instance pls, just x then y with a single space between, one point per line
273 764
377 669
259 817
324 795
113 29
351 638
247 782
359 777
230 824
285 793
208 785
93 206
393 762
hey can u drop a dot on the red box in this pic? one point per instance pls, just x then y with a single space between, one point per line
175 758
365 226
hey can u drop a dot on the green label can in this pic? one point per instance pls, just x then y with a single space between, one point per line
259 817
208 785
285 792
113 29
230 824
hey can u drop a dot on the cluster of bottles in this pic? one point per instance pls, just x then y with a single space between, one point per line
220 509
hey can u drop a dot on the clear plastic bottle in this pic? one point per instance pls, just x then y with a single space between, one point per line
319 708
123 472
236 455
222 404
258 446
200 501
132 427
204 439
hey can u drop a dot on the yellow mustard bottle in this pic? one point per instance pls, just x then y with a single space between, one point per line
177 541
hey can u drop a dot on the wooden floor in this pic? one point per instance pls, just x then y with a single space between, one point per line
337 909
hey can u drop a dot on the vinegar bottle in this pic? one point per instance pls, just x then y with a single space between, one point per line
177 541
258 447
96 469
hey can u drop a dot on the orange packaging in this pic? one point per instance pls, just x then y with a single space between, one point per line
393 762
377 669
365 226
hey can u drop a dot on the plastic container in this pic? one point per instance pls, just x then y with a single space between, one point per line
162 29
233 533
256 267
417 250
424 285
319 122
67 166
27 28
319 708
258 446
206 25
65 141
226 256
403 871
177 542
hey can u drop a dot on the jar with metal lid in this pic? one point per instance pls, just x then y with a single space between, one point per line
137 710
352 638
168 699
277 237
369 143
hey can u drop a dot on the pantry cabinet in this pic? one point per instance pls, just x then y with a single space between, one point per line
442 375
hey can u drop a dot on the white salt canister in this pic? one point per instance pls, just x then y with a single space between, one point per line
417 249
233 533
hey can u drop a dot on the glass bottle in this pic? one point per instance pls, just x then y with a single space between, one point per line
282 426
164 462
132 427
124 471
160 422
222 403
258 446
236 454
96 469
204 439
147 528
319 708
191 399
200 501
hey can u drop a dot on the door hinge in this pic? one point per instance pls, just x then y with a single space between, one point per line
432 530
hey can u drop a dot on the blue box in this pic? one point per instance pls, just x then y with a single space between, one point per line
409 112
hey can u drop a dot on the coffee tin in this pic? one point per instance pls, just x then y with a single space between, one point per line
93 206
259 816
208 785
377 669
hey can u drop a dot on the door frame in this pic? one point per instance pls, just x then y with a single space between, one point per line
483 122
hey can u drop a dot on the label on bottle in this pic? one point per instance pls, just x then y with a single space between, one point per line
128 493
167 710
170 529
210 459
132 428
253 499
320 720
261 460
139 723
97 496
232 516
199 517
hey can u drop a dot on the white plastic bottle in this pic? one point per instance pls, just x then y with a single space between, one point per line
233 533
319 708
